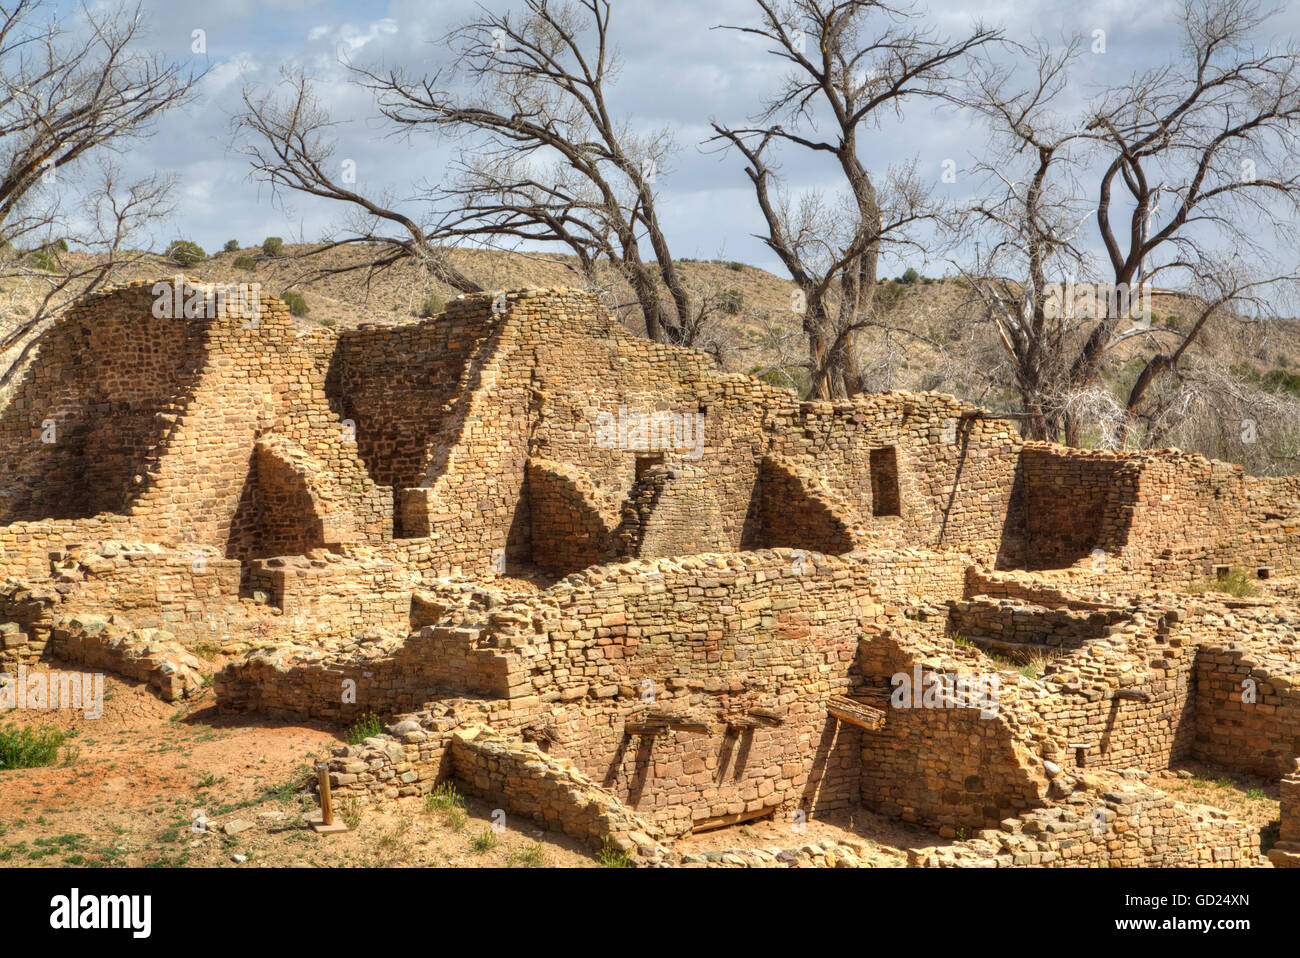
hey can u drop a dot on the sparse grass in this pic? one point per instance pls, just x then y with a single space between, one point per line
1031 665
350 812
207 651
611 857
29 747
531 857
1034 665
1234 582
456 819
485 841
443 798
368 726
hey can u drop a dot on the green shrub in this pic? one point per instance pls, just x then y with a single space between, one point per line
736 267
28 747
185 253
368 726
485 841
42 261
232 246
1234 582
910 276
328 322
431 306
245 262
272 245
732 302
297 305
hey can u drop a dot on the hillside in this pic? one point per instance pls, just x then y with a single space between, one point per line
945 349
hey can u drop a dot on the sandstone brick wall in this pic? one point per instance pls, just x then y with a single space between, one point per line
157 420
1247 709
572 520
396 384
1126 826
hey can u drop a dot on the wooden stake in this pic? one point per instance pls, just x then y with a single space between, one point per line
326 806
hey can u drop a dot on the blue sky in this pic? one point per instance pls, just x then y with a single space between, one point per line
677 73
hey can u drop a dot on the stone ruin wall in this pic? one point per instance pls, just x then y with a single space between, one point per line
477 452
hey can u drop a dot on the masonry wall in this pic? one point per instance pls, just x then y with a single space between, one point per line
1066 502
1153 518
104 388
956 766
395 383
1247 714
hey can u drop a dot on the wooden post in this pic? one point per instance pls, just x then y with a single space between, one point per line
326 806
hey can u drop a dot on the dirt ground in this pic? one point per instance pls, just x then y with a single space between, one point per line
152 784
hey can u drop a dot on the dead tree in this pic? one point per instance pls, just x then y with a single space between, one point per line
1180 161
70 96
542 157
286 135
851 62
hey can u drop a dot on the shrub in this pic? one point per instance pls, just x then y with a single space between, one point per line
185 253
272 245
297 305
611 857
732 302
910 276
431 306
232 246
485 841
736 267
42 261
245 262
368 726
28 747
1234 582
328 322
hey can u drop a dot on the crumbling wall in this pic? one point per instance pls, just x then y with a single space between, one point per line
1125 826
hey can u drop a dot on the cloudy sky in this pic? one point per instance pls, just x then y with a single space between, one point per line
678 73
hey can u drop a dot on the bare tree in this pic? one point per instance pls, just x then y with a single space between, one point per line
542 156
286 135
850 63
72 93
1181 161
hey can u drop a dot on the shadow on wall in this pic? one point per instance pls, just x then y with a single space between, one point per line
81 437
277 514
1059 505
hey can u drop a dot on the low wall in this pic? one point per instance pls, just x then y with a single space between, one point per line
1123 827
